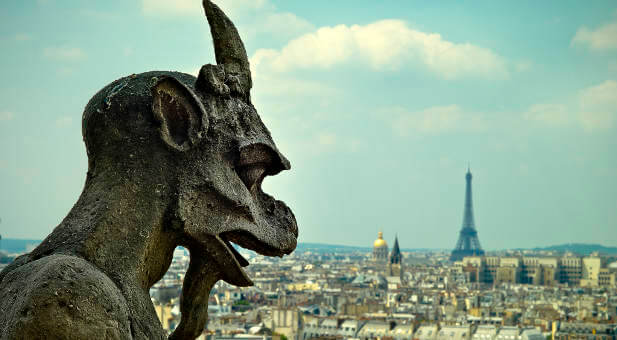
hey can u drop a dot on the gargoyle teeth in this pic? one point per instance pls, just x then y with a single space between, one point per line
241 260
251 242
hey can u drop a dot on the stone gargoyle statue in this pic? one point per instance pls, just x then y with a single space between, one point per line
172 160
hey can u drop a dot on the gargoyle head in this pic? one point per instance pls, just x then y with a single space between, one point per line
201 145
227 152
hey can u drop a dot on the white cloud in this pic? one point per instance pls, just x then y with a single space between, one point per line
593 108
64 53
194 7
436 120
127 51
91 14
523 66
281 86
237 6
64 121
65 71
6 115
602 38
551 114
251 16
431 120
28 175
175 7
598 106
325 142
326 139
283 24
386 44
23 37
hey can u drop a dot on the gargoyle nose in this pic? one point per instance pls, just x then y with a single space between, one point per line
284 163
264 153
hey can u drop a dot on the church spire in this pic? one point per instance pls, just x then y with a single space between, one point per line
395 257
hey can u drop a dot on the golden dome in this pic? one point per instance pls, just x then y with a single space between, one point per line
379 242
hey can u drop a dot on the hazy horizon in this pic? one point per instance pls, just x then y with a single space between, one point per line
368 247
380 107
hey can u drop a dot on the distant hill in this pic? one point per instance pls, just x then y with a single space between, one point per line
323 247
19 246
580 248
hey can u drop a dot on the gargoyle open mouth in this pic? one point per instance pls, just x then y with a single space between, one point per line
247 240
272 228
246 217
232 264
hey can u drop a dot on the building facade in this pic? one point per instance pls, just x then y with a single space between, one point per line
547 271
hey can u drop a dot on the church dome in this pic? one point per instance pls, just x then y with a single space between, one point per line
380 242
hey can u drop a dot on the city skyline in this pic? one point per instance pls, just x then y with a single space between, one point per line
379 108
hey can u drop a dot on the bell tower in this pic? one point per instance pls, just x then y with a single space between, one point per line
396 260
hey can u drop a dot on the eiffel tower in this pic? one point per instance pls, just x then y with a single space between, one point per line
468 243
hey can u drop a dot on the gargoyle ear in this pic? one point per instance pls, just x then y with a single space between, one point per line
181 114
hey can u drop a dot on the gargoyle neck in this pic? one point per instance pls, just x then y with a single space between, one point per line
124 225
119 226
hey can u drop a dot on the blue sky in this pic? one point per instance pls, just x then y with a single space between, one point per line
379 105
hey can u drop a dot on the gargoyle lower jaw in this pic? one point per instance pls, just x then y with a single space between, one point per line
272 234
269 227
231 262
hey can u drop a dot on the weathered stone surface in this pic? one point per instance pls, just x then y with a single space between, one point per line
172 160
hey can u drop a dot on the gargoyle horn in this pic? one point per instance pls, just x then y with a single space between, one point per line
228 47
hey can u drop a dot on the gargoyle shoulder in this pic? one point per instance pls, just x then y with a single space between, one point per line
63 297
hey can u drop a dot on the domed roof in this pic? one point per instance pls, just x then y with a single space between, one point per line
380 242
